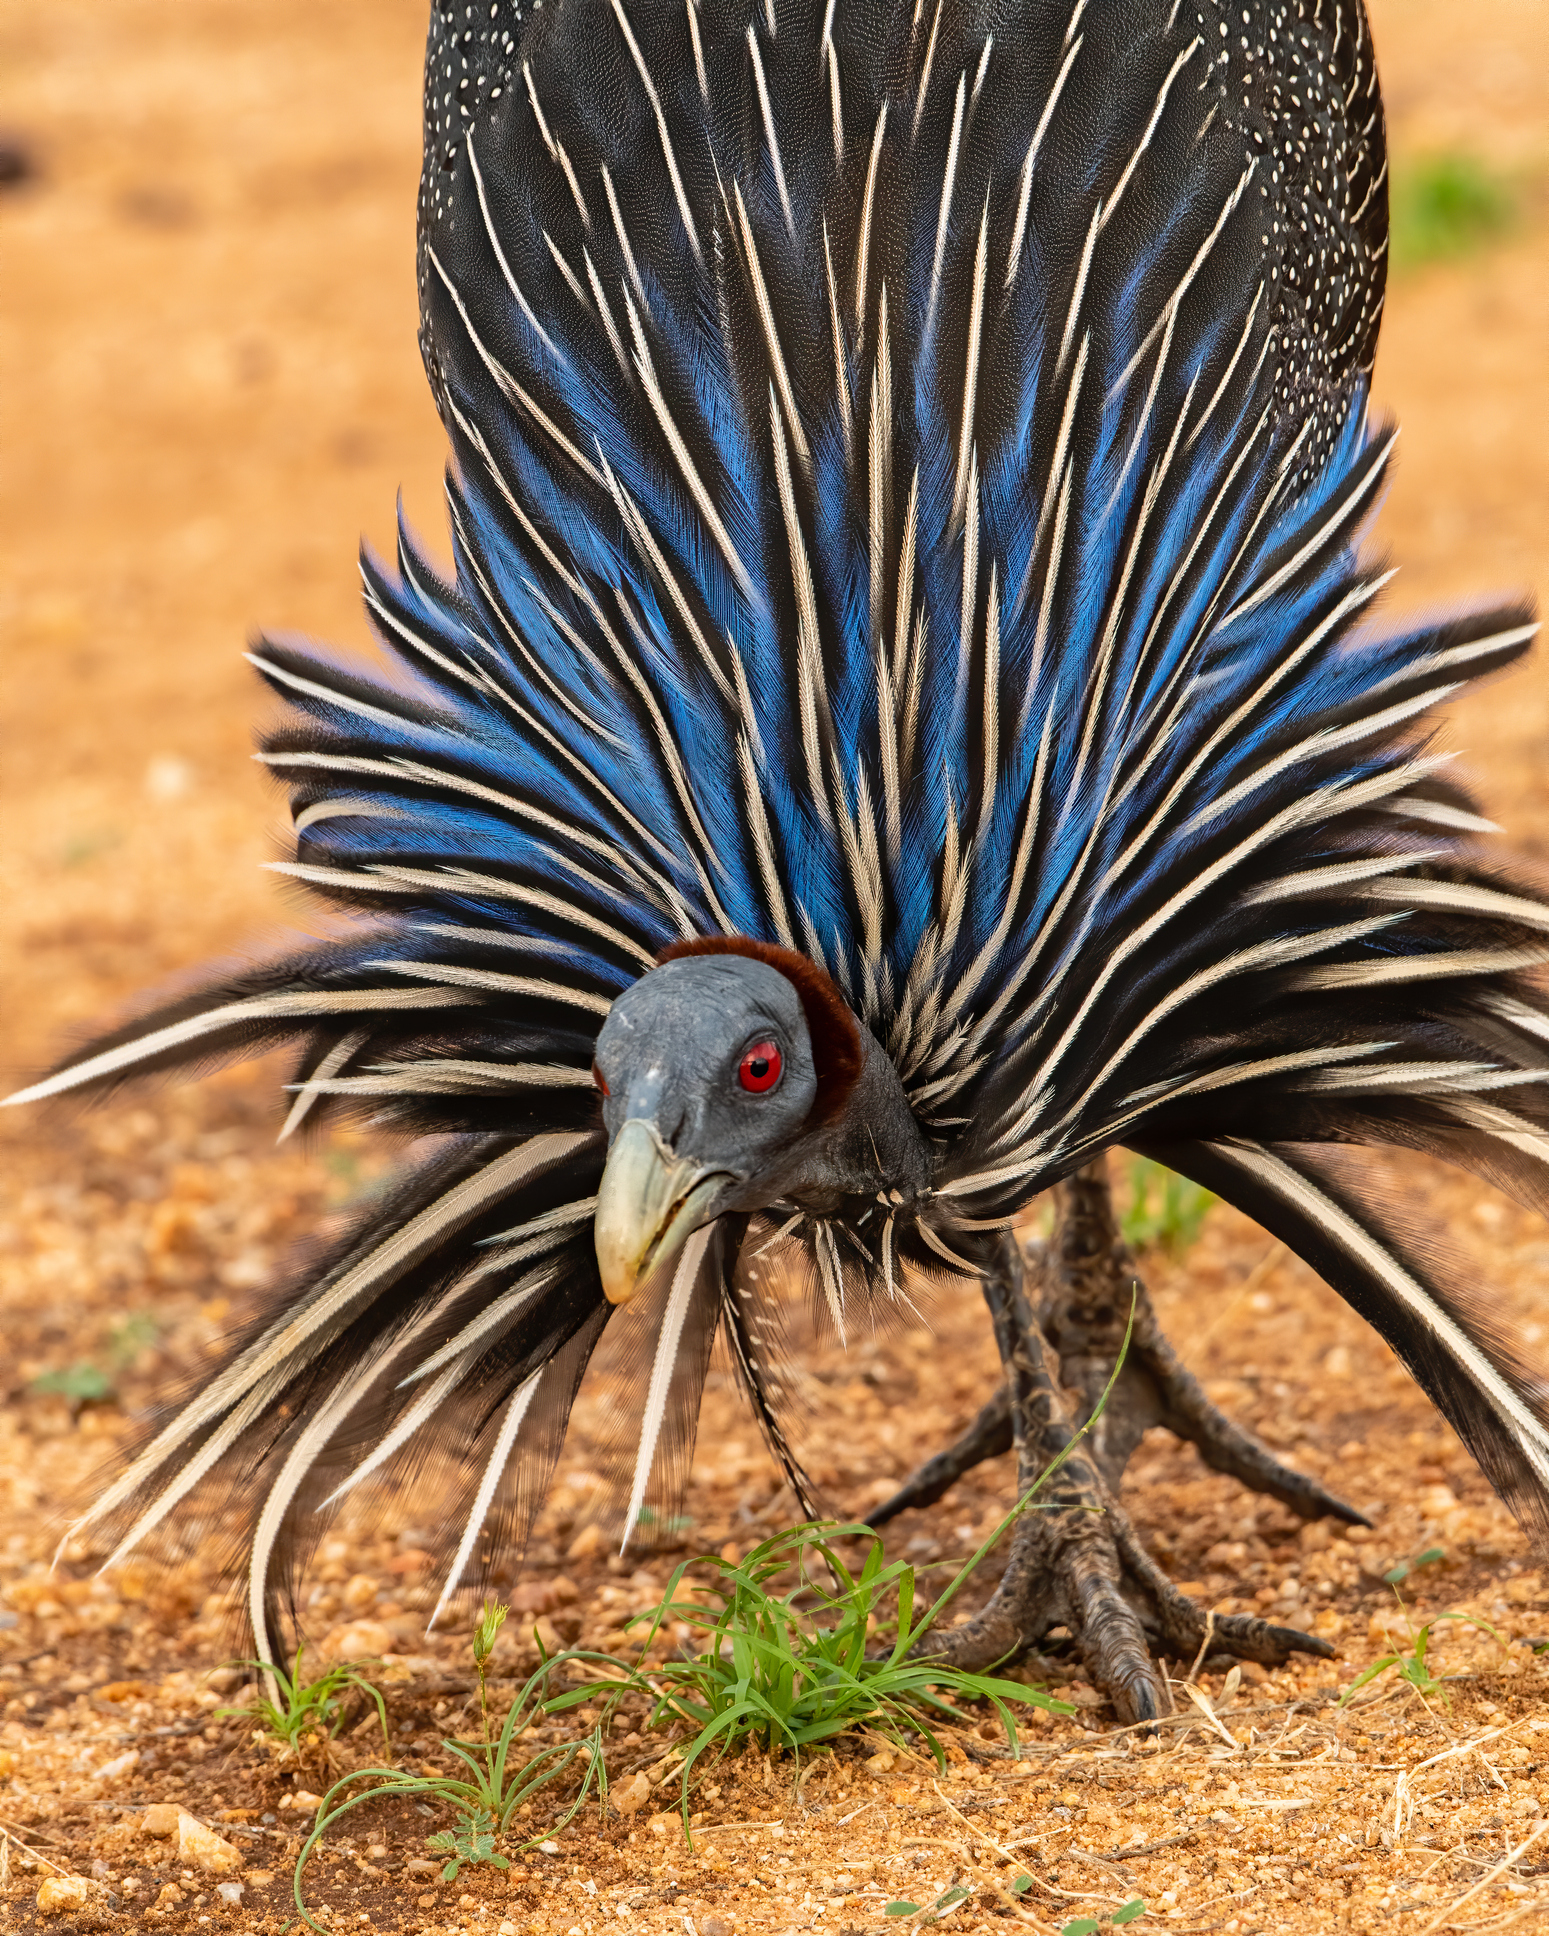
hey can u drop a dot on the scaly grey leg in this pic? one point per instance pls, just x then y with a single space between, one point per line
1086 1284
1085 1281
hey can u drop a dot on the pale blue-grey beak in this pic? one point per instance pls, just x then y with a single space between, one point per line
648 1204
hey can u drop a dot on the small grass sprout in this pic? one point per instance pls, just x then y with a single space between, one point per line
499 1779
1127 1912
928 1912
297 1708
1413 1667
82 1383
1432 1556
666 1525
1442 206
88 1382
1165 1210
1080 1926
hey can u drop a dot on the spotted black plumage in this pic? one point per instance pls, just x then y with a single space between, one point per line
908 469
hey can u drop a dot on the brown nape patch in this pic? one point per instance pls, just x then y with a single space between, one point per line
837 1054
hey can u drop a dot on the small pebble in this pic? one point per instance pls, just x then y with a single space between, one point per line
197 1845
534 1596
586 1542
64 1895
357 1640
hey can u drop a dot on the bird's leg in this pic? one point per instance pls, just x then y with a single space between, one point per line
1086 1289
1075 1560
1086 1281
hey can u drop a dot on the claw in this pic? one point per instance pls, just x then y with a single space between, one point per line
1113 1642
1077 1561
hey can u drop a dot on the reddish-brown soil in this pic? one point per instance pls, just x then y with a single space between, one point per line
210 386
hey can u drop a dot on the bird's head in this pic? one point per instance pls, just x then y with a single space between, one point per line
733 1075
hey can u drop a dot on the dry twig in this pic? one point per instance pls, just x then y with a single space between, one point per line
1444 1916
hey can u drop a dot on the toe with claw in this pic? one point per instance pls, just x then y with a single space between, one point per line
1075 1559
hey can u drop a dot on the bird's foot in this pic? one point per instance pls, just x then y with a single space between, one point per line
1086 1288
1079 1565
1075 1560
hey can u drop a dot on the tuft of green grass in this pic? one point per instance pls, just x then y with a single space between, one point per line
1165 1210
1414 1667
788 1666
294 1709
1443 206
785 1657
783 1665
500 1777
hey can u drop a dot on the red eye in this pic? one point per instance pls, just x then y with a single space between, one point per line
597 1077
760 1068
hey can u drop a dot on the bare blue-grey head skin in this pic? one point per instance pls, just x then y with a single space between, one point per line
688 1142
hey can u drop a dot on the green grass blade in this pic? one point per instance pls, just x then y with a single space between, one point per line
939 1606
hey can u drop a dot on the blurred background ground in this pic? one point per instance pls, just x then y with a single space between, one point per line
210 386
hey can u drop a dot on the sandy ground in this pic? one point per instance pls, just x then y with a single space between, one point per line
210 385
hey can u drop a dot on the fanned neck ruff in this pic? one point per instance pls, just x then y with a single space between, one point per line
880 465
837 1053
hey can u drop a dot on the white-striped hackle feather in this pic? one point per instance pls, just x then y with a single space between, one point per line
489 1485
258 1373
1527 1429
489 1322
308 1092
258 1008
288 1481
680 1294
508 383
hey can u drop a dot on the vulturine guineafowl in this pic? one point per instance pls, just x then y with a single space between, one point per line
906 720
